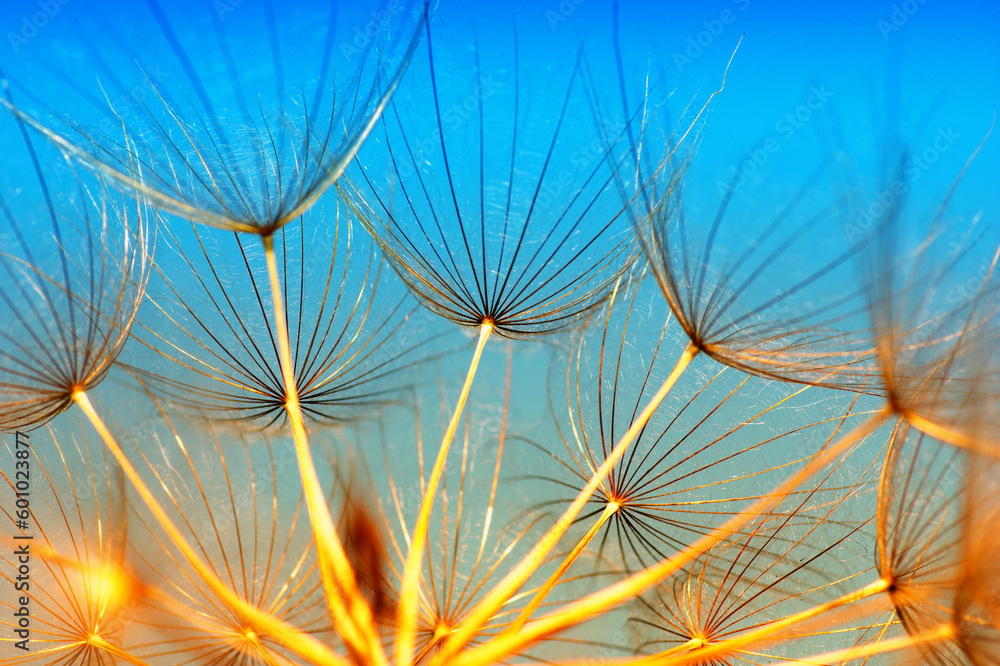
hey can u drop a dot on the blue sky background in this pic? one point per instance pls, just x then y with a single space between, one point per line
894 71
936 58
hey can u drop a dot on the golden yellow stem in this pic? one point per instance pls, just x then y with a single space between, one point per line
302 644
610 510
940 633
262 652
940 432
507 587
410 587
686 646
691 644
352 615
629 588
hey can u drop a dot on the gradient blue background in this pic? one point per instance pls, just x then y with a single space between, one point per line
889 79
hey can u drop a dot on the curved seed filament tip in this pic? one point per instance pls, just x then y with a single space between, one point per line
410 588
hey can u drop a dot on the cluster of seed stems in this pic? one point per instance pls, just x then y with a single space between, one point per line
378 600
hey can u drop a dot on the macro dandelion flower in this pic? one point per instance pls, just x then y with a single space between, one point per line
72 277
79 590
750 303
698 459
920 531
526 633
760 592
252 532
800 359
823 369
698 467
525 235
725 300
222 157
602 601
353 340
523 240
835 448
935 327
187 158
